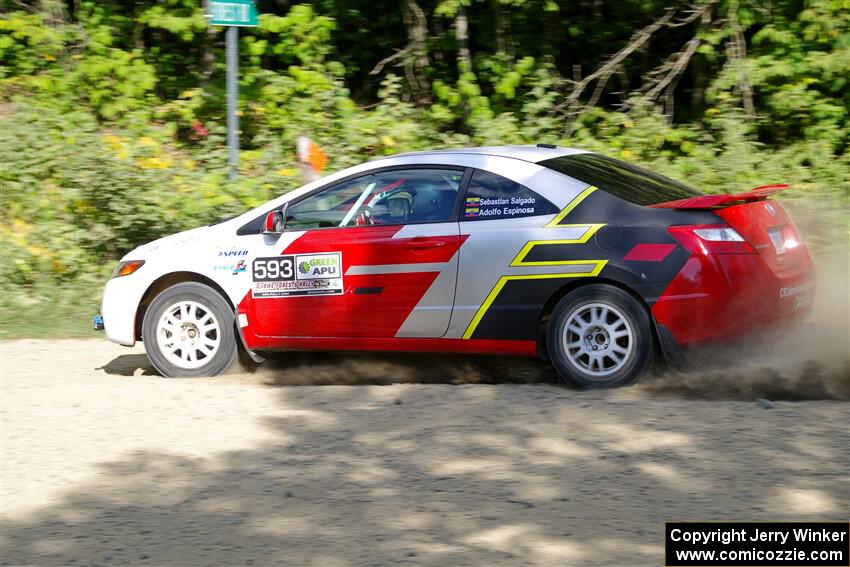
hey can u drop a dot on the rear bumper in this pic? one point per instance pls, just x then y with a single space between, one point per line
724 296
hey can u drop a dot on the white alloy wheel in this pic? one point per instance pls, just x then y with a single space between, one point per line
598 339
188 334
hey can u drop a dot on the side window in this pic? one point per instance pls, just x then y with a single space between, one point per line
491 196
329 207
407 196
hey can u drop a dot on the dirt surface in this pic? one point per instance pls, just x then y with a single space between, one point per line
105 463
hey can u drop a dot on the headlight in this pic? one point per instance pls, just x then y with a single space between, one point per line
127 268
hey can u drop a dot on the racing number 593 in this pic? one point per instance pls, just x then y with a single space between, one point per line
273 268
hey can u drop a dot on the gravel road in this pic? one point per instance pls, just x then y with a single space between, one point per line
105 463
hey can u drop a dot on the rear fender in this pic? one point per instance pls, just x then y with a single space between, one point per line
617 277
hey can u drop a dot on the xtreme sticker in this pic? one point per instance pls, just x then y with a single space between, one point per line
234 269
299 274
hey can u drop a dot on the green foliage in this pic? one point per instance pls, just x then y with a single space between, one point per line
799 66
76 196
183 18
38 59
27 45
300 36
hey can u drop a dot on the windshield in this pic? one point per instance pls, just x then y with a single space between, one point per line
626 181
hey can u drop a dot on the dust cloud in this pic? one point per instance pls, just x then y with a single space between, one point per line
807 362
351 369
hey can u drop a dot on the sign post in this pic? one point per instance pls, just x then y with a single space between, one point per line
233 14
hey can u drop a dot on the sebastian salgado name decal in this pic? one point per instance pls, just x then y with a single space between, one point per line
485 202
297 274
763 544
501 207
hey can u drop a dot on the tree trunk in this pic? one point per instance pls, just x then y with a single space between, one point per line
462 36
207 52
416 63
736 50
502 28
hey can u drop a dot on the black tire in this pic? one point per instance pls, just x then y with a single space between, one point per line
615 363
207 307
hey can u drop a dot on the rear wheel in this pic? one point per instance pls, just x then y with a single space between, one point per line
599 336
188 331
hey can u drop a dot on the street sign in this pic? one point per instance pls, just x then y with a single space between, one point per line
241 13
233 14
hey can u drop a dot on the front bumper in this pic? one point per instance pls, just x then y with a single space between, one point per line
121 298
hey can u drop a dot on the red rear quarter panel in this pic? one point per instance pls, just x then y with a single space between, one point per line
721 296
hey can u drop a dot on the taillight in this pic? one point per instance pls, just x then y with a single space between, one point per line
708 239
718 234
791 239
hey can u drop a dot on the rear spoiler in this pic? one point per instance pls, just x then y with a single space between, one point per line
712 201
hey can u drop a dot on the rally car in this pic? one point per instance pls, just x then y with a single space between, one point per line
589 262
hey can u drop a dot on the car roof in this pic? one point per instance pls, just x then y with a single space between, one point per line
480 157
528 153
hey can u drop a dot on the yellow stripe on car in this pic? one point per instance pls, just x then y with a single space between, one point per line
597 266
570 206
590 230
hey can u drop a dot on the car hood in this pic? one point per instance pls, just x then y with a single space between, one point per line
185 239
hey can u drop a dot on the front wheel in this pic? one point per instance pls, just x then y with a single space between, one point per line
188 331
599 336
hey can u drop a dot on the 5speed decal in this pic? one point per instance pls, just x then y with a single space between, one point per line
297 275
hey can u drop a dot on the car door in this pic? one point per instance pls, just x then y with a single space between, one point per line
376 257
502 286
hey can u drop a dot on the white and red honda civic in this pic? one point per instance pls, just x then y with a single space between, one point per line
587 261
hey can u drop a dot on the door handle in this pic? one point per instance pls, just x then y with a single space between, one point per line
423 242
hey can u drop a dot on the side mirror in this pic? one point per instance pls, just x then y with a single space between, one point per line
275 221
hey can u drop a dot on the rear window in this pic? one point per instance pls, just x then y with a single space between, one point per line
626 181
